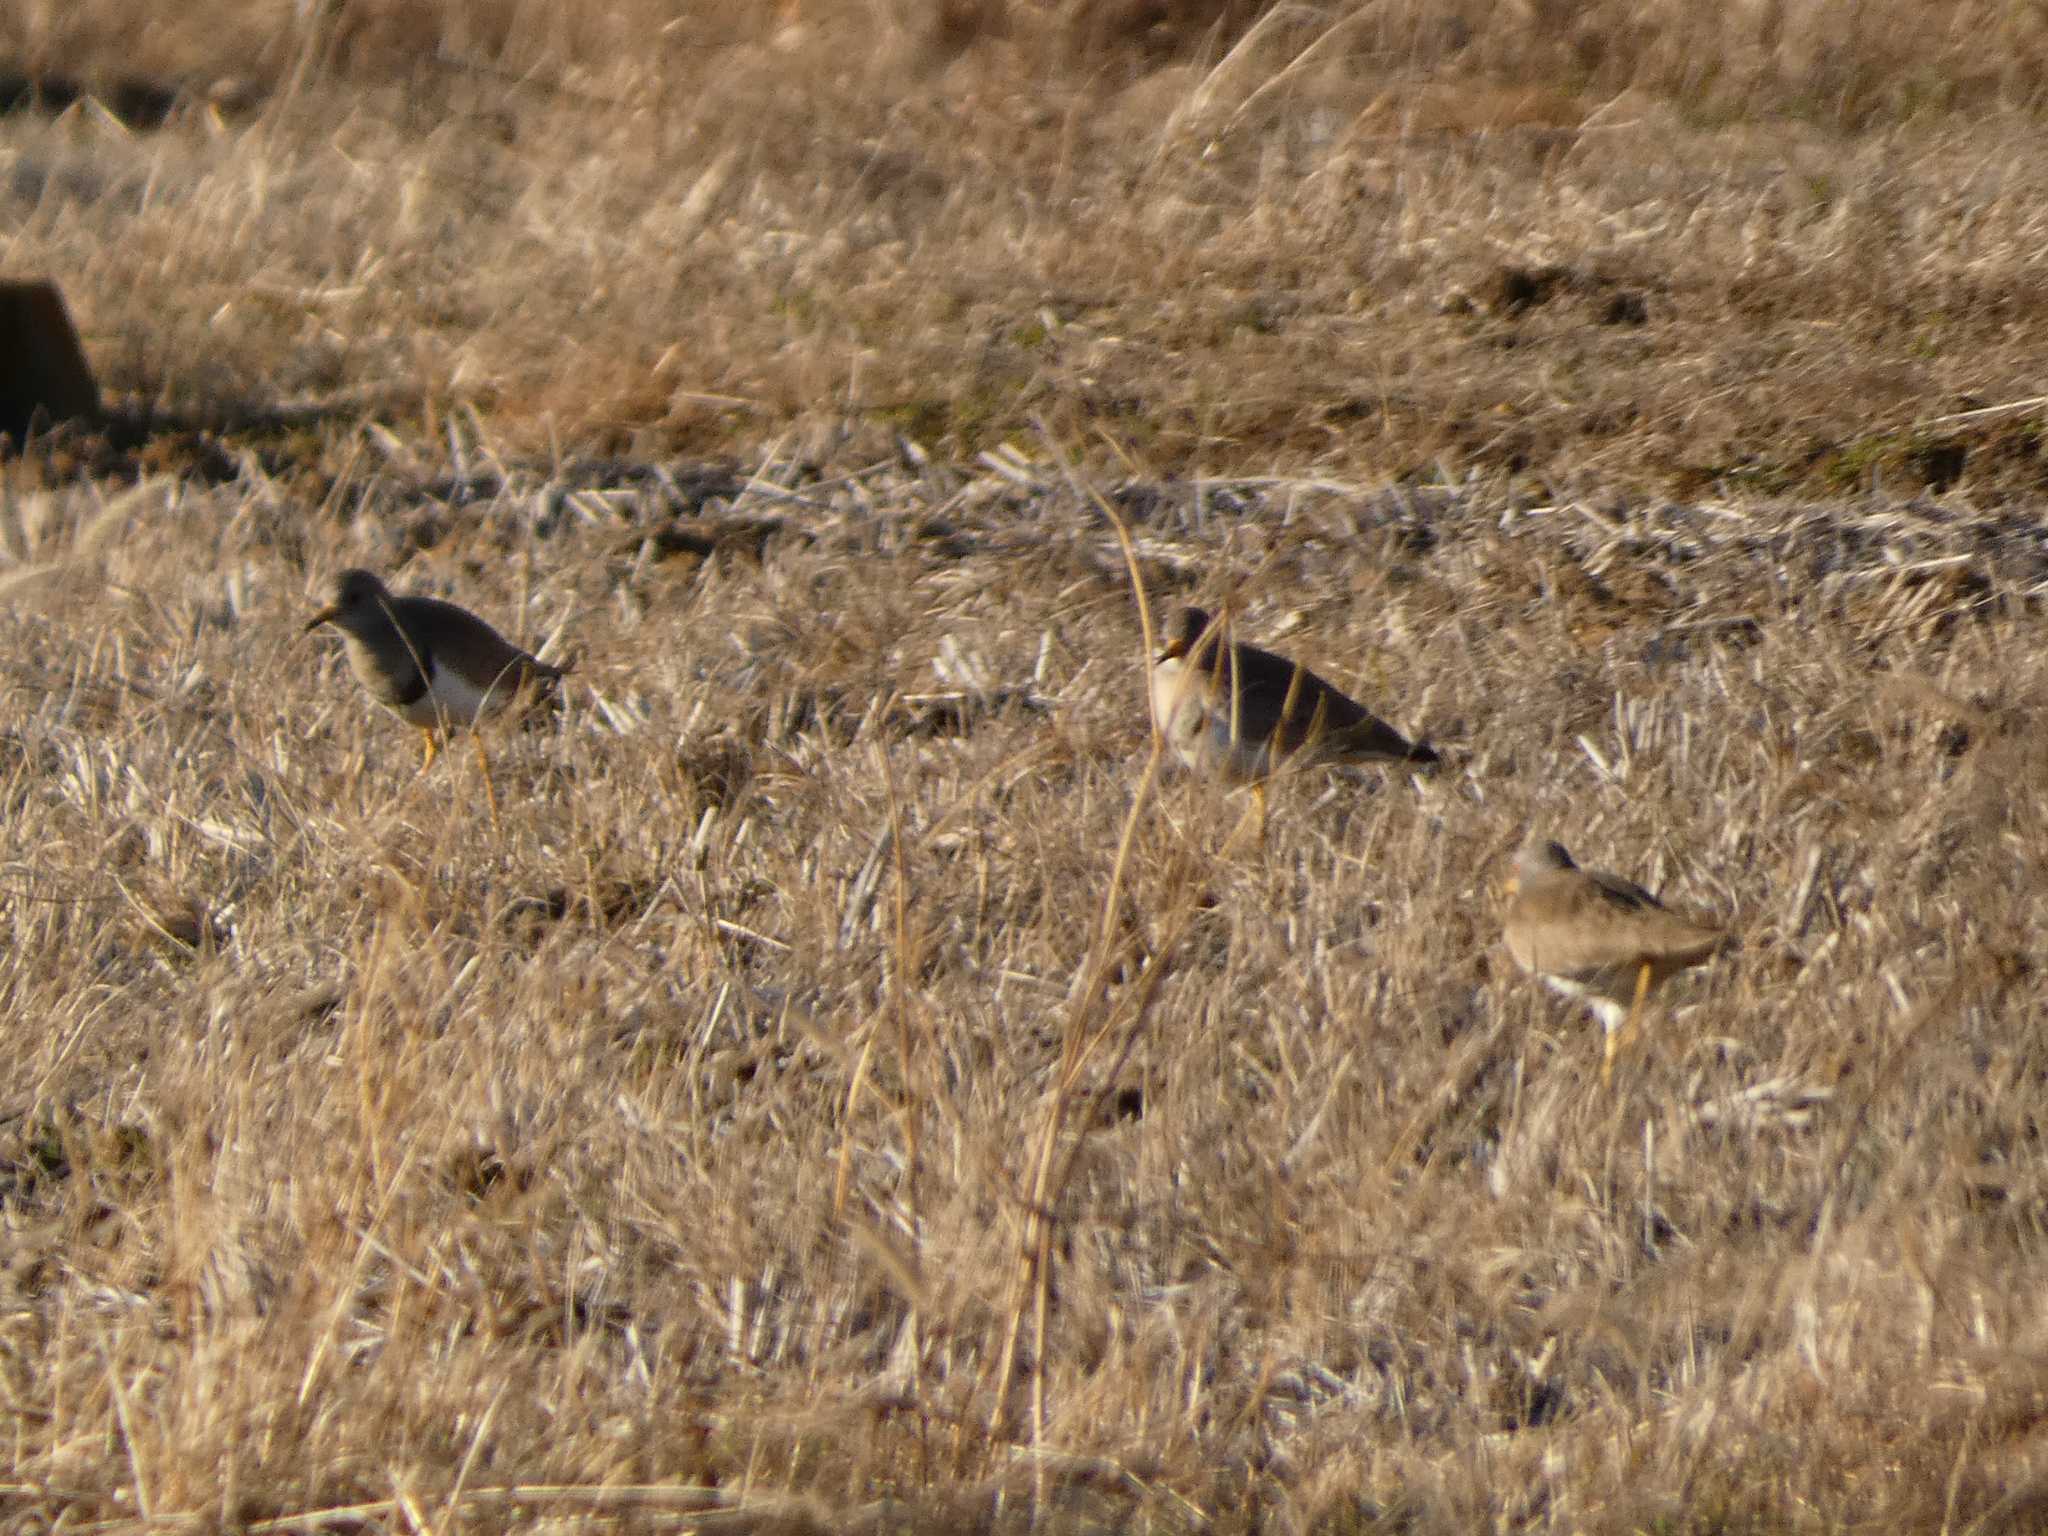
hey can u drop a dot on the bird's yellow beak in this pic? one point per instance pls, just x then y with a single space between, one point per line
324 616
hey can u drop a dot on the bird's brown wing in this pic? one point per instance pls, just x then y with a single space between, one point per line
1372 738
457 638
1583 923
1274 699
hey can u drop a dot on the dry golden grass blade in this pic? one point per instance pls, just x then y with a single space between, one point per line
906 1111
1033 1274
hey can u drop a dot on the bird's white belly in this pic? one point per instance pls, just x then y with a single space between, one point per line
1200 733
453 699
1611 1014
1178 707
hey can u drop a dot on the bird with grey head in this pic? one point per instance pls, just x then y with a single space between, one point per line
433 664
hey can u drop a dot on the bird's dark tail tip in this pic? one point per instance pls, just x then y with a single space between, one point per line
1423 755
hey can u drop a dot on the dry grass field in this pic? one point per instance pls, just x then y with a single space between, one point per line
863 1088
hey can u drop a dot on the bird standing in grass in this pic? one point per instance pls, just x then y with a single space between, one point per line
1596 937
1238 712
433 664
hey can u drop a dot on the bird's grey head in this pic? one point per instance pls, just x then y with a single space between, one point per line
1540 856
359 599
1186 626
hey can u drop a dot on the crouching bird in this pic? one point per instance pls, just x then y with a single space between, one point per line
433 664
1596 937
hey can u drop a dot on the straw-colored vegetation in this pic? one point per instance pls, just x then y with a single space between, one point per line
863 1088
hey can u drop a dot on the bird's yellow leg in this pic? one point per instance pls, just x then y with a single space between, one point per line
433 746
1633 1028
483 763
1621 1039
